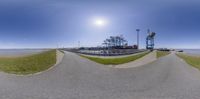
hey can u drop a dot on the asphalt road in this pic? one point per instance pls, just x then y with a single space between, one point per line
79 78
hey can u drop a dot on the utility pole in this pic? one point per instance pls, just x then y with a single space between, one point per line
57 46
138 30
78 44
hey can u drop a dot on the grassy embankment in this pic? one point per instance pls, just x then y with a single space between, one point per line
162 53
28 64
192 60
115 61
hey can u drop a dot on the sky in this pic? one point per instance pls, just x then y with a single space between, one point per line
64 23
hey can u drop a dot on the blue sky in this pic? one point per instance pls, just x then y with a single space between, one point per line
52 23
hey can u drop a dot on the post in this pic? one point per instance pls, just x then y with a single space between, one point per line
138 30
78 44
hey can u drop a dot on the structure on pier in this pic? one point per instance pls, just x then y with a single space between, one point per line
150 40
115 42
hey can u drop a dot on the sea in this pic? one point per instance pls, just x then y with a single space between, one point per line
19 52
192 51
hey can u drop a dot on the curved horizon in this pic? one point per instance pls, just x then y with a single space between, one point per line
52 24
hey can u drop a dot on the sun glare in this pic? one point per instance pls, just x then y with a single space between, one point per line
100 22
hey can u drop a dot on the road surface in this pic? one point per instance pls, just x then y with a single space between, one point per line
79 78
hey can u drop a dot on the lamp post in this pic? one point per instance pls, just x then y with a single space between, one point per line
78 44
138 30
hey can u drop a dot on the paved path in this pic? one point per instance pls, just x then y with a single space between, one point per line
141 61
79 78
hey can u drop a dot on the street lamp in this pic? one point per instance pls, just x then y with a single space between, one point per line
138 30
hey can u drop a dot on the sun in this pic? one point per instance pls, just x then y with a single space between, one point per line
100 22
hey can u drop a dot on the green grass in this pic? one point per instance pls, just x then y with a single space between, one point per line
192 60
28 64
162 53
116 61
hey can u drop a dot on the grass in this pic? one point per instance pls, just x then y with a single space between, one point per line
192 60
162 53
115 61
28 64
